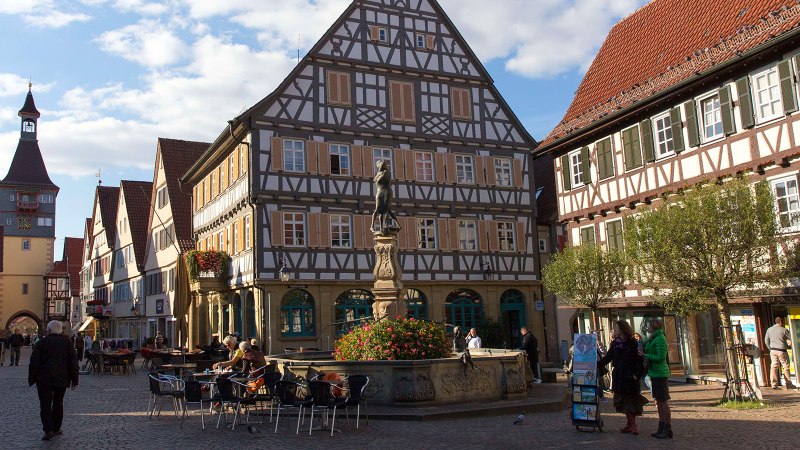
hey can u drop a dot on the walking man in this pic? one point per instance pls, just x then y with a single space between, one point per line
15 342
53 368
778 343
531 346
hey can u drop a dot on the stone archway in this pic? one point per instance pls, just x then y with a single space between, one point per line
24 314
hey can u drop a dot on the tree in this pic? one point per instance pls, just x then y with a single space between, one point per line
586 276
705 244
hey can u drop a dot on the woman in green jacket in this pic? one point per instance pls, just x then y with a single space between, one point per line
658 370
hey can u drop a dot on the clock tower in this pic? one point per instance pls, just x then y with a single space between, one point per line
27 220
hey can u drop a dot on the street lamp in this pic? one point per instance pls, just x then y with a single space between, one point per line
285 273
488 273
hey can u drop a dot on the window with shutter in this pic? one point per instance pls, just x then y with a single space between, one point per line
605 158
662 130
677 130
402 101
614 235
726 109
587 235
767 95
692 128
575 168
585 166
788 97
631 148
566 174
338 88
461 104
745 102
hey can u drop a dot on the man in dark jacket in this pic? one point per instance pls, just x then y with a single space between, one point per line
531 347
15 342
53 368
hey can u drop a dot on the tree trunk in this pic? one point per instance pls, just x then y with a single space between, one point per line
732 367
596 326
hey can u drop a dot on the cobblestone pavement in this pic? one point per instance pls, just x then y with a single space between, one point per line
109 412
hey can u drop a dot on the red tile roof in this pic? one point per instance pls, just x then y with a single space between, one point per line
137 196
59 269
667 42
108 198
178 157
73 252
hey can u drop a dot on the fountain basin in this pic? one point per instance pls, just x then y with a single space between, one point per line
501 374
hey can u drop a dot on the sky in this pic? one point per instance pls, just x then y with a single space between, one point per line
111 76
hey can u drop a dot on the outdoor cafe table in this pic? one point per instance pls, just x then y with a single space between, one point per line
181 368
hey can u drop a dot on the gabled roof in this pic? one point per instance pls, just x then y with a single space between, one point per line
29 108
73 252
27 168
178 156
137 196
108 199
60 269
89 234
665 43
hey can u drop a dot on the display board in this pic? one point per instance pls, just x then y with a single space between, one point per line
584 388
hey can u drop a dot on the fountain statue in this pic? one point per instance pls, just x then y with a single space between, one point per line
388 273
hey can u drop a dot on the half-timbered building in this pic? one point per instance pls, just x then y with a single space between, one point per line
104 229
678 95
287 188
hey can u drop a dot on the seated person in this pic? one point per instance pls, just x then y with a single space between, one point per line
253 360
234 355
215 343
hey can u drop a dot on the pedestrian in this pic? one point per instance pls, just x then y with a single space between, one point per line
531 347
777 341
79 346
3 346
626 374
473 340
53 368
655 351
87 345
15 343
159 340
234 356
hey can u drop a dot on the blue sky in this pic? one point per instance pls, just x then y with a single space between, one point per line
111 76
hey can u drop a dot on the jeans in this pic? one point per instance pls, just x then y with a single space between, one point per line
51 406
15 356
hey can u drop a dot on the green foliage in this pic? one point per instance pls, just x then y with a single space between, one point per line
585 275
683 302
492 333
198 261
740 405
398 339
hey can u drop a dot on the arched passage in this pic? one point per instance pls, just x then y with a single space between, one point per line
25 319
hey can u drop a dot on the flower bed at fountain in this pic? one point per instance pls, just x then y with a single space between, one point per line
392 340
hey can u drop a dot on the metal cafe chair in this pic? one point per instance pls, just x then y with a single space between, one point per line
286 391
193 393
357 384
159 390
228 396
324 401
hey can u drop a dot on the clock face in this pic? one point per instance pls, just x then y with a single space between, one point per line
25 223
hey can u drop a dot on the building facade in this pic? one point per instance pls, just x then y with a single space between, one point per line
288 187
100 284
678 108
27 217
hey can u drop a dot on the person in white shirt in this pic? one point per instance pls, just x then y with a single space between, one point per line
473 341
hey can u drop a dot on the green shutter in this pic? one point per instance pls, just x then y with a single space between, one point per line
632 148
587 235
691 124
565 175
745 102
787 87
605 159
647 140
614 235
627 157
726 109
677 130
587 174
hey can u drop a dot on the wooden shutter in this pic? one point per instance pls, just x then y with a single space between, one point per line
399 163
338 88
745 102
677 130
368 163
244 159
494 242
312 157
207 185
439 163
223 181
566 176
585 165
402 101
374 33
605 159
429 42
240 224
453 230
324 230
396 100
483 236
692 128
408 102
787 87
409 166
491 171
614 235
480 174
517 167
344 89
324 156
460 104
451 168
726 110
647 141
522 239
402 236
411 233
360 238
632 148
442 239
235 155
332 84
313 230
356 161
276 151
276 228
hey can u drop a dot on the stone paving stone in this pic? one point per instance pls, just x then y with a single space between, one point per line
108 412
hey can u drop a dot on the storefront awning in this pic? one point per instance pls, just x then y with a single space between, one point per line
85 324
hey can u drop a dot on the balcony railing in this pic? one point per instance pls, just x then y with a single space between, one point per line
27 206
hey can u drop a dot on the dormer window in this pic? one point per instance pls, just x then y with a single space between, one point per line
29 126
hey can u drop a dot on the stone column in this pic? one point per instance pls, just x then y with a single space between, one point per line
388 273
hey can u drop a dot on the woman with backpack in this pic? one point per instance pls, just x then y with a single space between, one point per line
628 370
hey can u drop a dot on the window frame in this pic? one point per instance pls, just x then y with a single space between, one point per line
305 307
506 236
777 101
419 159
338 243
464 167
701 114
294 152
427 233
670 142
343 156
594 234
300 226
576 176
783 179
383 151
467 231
26 245
499 171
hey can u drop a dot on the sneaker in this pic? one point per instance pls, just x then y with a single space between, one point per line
217 406
791 386
775 387
48 436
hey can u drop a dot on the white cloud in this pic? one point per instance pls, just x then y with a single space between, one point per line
23 7
141 7
149 43
55 19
